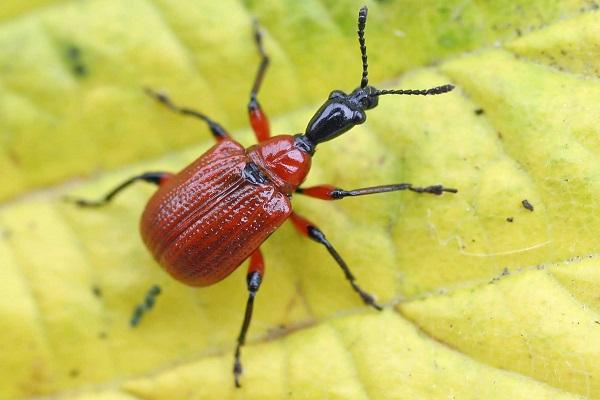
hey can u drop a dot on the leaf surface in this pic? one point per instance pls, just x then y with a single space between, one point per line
484 298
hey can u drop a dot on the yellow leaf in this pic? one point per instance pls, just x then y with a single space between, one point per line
485 299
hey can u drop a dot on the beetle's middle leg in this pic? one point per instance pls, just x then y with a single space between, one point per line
256 272
158 178
310 230
216 129
258 119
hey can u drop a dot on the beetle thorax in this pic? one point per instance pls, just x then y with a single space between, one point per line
284 163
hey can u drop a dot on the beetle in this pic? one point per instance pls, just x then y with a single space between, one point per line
206 220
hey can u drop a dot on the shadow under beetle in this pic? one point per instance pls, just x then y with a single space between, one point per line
204 221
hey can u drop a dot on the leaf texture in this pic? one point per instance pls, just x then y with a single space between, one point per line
484 298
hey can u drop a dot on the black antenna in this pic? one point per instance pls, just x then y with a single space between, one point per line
422 92
362 20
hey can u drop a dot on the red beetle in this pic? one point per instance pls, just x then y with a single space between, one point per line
204 221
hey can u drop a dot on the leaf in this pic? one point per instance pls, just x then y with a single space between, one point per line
477 306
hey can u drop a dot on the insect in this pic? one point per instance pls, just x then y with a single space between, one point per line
204 221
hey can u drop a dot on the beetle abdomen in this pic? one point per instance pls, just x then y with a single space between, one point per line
206 220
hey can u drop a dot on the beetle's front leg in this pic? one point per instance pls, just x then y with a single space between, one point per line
256 271
258 119
218 132
329 192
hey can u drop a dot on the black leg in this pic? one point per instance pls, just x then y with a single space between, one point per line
309 230
258 119
217 130
151 177
329 192
253 280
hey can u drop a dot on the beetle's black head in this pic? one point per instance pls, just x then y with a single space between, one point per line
339 113
342 111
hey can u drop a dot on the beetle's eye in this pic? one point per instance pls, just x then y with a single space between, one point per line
370 102
358 117
337 94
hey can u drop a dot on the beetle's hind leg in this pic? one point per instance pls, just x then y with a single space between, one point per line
258 119
254 278
216 129
157 178
308 229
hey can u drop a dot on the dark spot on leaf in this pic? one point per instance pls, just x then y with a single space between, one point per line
479 111
5 233
13 157
74 373
509 219
145 306
80 70
527 205
102 335
505 272
74 52
75 61
97 291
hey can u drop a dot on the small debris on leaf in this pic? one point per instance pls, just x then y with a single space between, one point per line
527 205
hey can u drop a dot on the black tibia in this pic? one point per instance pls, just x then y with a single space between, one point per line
315 234
217 130
327 192
254 280
258 119
433 189
262 68
151 177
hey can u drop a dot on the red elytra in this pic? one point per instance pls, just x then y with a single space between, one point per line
204 221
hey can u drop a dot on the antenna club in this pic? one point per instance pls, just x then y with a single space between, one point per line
362 20
362 15
442 89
